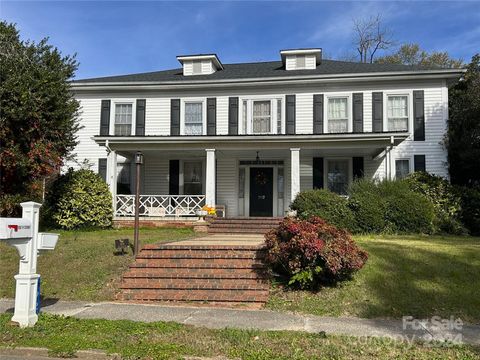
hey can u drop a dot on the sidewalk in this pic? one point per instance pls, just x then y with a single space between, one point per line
217 318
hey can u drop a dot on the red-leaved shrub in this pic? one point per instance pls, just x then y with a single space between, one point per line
311 252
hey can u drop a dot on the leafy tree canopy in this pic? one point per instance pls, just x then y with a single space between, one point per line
412 54
463 137
38 117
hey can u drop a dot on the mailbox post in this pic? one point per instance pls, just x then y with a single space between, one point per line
22 233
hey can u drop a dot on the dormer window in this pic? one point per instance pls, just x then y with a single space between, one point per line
301 59
200 64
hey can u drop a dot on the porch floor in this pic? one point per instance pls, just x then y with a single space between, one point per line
224 239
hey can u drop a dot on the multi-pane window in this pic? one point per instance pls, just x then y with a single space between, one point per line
337 176
262 115
123 119
397 112
193 118
402 168
337 115
192 178
280 183
244 116
241 182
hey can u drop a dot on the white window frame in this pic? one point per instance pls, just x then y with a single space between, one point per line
410 164
273 111
114 103
335 158
409 95
349 111
204 114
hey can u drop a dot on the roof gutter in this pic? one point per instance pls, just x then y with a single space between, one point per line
309 79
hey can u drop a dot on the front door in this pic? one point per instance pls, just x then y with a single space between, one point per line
261 191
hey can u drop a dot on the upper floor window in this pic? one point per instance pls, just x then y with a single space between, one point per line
397 112
262 117
337 114
193 118
123 119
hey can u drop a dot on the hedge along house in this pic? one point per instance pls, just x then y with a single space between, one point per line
249 136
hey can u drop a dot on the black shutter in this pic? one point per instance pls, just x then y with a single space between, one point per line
290 114
175 117
140 118
102 168
318 114
419 163
418 116
377 111
318 173
357 164
357 112
233 116
211 116
174 170
105 118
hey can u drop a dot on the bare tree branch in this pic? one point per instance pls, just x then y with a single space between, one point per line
371 36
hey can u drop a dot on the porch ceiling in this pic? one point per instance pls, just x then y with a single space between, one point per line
329 142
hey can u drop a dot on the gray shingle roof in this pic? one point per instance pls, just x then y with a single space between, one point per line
257 70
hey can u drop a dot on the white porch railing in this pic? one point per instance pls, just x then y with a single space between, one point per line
159 205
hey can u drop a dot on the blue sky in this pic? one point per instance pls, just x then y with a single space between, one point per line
126 37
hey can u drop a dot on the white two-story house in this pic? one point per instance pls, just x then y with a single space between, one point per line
248 137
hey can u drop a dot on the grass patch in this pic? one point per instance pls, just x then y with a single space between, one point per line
160 340
83 265
416 275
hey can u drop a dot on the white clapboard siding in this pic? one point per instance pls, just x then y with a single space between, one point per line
304 113
157 115
156 175
222 115
367 111
227 178
87 149
306 173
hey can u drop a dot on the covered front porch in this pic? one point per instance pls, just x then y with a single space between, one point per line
239 178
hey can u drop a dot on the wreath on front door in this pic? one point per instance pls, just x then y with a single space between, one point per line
261 178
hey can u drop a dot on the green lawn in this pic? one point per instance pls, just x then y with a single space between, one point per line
63 336
417 275
83 265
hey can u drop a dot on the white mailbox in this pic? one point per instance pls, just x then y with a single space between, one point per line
22 233
15 228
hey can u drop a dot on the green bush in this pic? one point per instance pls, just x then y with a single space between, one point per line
446 201
368 206
79 199
327 205
406 210
470 212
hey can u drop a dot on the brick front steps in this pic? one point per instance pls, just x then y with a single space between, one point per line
251 225
217 274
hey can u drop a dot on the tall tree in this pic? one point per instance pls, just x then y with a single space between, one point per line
412 54
38 114
463 137
370 37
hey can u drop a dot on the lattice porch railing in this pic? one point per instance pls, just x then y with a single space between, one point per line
160 205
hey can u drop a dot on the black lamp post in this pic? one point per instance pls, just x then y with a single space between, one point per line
139 163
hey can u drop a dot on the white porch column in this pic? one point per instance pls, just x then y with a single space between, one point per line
210 178
112 175
295 172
